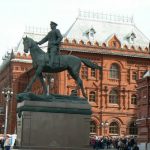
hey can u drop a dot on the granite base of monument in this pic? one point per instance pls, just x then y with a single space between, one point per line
58 123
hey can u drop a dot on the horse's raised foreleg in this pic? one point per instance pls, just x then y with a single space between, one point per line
29 86
43 83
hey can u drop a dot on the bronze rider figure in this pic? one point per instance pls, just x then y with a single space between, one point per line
54 38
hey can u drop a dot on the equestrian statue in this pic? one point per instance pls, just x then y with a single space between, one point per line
52 62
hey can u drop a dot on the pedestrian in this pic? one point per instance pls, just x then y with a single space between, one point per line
2 143
7 143
96 143
135 147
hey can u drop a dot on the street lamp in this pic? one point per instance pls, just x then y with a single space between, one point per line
50 82
104 125
7 92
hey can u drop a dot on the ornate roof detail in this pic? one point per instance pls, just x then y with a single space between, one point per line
105 17
81 42
89 43
106 33
89 34
18 54
125 46
6 59
132 47
66 41
36 30
146 49
114 42
131 37
74 41
96 44
139 48
106 51
147 74
104 45
104 26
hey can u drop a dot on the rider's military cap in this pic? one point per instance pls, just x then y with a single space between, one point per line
53 23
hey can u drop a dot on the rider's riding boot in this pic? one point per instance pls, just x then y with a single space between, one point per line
50 61
50 64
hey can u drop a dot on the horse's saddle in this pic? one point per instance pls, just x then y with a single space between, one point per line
57 61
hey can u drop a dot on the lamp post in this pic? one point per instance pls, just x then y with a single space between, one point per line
7 92
50 82
104 125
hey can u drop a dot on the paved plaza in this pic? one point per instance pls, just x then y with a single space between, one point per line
73 149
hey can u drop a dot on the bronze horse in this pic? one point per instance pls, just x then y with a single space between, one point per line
63 62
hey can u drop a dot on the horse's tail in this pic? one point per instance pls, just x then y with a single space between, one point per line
89 64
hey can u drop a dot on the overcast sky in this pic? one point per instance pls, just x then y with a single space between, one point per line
16 14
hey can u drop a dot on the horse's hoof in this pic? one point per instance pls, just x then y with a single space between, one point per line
25 91
85 97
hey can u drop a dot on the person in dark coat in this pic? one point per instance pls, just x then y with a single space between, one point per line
135 147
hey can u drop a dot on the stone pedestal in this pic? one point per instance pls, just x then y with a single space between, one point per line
54 124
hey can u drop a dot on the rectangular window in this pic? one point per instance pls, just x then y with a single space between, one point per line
113 130
84 72
93 73
113 99
128 75
141 75
92 96
113 74
92 127
134 76
114 71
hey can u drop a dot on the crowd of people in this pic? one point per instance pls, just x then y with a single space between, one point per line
6 143
119 143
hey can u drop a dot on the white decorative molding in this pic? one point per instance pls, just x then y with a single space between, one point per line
36 30
105 17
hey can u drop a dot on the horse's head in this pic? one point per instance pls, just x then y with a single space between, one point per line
28 43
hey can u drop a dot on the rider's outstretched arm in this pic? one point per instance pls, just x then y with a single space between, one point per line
45 39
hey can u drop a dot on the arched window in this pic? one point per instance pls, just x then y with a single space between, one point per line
92 96
133 130
134 76
92 127
114 71
114 128
113 97
133 99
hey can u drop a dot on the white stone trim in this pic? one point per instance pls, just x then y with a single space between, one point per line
21 60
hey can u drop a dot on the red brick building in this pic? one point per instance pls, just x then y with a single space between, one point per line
117 45
11 69
143 119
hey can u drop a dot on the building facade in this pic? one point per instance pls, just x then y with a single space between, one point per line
143 119
118 46
11 69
